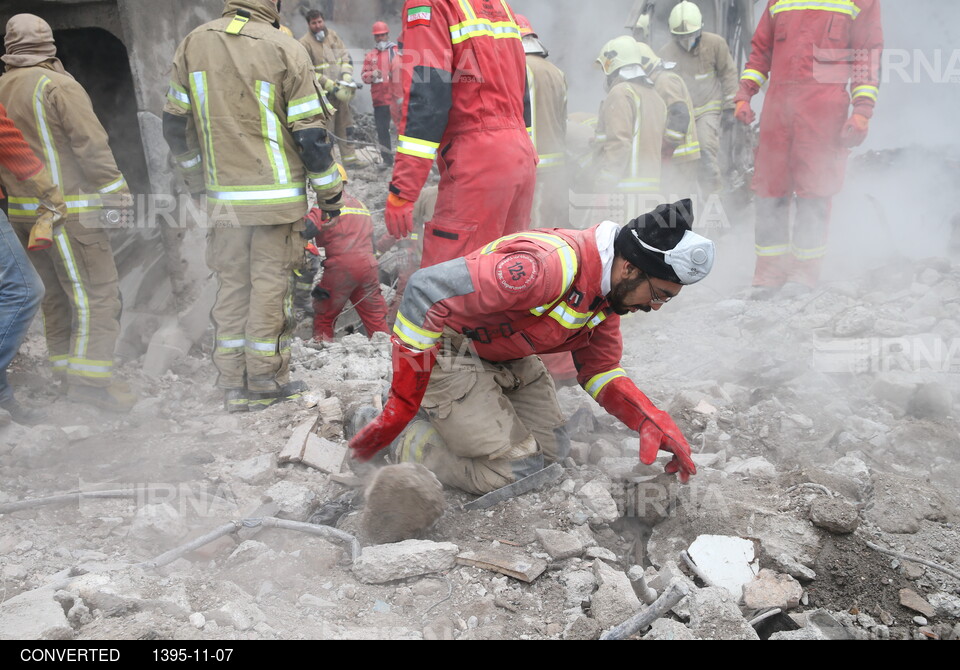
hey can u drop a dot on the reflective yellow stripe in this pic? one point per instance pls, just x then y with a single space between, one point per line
417 337
303 108
270 130
81 305
704 75
686 150
46 137
776 250
532 90
59 361
596 383
482 28
675 135
569 318
639 185
114 186
416 147
755 76
712 106
27 206
808 254
189 161
81 367
598 318
839 6
866 91
552 160
266 347
325 180
178 96
229 343
257 195
237 24
359 211
198 85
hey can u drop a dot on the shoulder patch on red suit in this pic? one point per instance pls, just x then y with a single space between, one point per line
419 15
518 271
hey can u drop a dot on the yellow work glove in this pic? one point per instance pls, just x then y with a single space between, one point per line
344 93
347 78
329 85
51 210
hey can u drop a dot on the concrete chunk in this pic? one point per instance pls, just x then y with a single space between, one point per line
912 600
615 600
770 589
295 501
668 629
836 516
599 501
558 544
388 562
714 615
34 615
323 455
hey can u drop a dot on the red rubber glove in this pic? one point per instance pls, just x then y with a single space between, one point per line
855 130
624 400
744 113
399 216
411 372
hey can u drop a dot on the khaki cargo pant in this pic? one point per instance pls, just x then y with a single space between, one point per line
342 120
253 312
81 306
489 423
708 133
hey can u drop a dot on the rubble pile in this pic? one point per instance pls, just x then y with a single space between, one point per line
824 429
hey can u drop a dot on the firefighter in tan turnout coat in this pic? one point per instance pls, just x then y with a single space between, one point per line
81 308
245 122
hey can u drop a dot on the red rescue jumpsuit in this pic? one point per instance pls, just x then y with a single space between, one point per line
349 271
811 52
531 293
464 78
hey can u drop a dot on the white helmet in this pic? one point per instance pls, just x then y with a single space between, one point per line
649 59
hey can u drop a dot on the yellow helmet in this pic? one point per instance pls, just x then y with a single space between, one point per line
618 52
648 57
685 19
642 28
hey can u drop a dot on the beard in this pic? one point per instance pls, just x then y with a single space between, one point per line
618 296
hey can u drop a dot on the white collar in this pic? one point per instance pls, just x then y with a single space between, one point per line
606 236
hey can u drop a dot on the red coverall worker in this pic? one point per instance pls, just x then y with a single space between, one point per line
349 270
811 52
464 81
492 406
381 70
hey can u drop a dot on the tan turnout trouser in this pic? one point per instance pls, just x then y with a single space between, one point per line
253 313
708 133
342 120
489 423
81 306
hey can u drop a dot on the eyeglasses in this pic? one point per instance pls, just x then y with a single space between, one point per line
655 297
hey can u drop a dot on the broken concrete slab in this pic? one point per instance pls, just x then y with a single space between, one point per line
582 628
615 600
809 633
790 566
241 615
508 562
34 615
411 558
771 589
292 451
401 502
946 604
296 502
321 454
256 470
726 561
714 615
912 600
834 515
598 500
558 544
668 629
578 586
